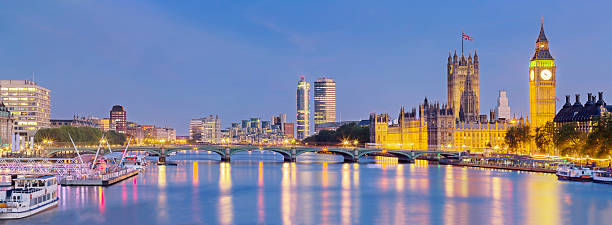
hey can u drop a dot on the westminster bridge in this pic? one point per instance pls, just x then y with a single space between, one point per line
290 154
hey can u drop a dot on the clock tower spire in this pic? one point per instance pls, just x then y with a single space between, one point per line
542 83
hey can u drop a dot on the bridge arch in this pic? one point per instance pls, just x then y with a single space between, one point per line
402 156
219 151
347 154
284 152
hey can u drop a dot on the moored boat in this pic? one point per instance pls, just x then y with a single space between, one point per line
574 173
602 176
135 161
25 196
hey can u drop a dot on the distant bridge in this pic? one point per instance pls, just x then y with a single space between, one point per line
290 154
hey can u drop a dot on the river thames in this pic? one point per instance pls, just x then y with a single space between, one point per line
258 188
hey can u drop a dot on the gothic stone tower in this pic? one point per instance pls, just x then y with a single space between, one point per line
468 111
542 83
458 70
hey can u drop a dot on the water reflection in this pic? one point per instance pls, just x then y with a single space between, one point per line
225 205
195 179
496 194
399 208
261 213
123 194
325 201
356 174
356 192
135 190
161 177
331 193
101 206
195 198
345 207
286 194
162 197
542 205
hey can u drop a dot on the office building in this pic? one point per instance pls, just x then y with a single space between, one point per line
303 109
280 119
289 130
29 104
76 121
106 124
118 116
258 132
206 129
6 127
324 101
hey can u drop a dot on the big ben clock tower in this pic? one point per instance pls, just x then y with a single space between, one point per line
542 83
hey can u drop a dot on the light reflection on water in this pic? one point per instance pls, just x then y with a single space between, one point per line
250 190
225 206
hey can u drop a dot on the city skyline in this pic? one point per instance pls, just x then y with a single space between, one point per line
108 60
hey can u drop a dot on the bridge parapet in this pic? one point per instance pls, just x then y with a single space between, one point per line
290 154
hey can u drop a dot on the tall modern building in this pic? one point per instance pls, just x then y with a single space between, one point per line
502 111
459 71
29 104
6 126
303 109
542 83
324 101
206 129
119 118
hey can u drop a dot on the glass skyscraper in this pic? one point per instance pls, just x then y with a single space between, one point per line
303 109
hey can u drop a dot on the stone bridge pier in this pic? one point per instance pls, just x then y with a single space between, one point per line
225 157
292 157
162 155
353 157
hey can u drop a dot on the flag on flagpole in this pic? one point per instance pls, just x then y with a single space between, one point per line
467 37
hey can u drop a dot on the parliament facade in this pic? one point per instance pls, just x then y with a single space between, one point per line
458 125
434 127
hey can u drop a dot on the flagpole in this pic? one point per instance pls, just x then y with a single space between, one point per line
461 41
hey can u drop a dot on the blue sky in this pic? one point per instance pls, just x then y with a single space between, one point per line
170 61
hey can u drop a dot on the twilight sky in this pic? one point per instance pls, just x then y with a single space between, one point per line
170 61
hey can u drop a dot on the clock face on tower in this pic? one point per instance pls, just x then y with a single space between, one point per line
546 74
532 75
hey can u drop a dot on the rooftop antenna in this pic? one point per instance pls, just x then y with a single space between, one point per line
32 76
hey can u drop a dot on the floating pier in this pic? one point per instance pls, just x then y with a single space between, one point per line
101 180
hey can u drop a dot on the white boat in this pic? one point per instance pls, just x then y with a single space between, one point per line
25 196
135 161
602 176
574 173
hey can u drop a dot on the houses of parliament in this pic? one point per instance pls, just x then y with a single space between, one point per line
458 125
